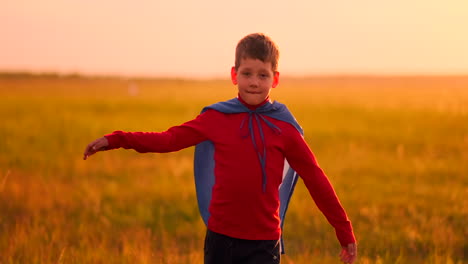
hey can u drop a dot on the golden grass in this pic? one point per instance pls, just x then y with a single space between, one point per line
396 150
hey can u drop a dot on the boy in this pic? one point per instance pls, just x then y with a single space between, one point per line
247 140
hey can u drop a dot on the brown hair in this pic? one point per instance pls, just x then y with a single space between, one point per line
257 46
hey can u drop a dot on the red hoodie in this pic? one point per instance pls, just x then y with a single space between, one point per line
239 207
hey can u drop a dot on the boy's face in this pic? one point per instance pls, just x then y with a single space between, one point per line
254 79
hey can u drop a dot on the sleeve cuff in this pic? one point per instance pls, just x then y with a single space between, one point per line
113 139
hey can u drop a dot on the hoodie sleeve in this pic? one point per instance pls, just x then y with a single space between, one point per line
173 139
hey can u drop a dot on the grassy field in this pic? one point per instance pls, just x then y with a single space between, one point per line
395 149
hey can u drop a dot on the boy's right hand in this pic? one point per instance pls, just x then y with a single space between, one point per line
99 144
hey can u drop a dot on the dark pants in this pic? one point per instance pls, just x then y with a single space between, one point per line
221 249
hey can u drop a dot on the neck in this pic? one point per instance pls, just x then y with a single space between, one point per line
253 107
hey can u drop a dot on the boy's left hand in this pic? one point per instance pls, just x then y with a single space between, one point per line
349 253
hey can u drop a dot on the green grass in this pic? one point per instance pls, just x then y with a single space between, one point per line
395 149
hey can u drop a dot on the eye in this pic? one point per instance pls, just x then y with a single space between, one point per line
246 73
264 75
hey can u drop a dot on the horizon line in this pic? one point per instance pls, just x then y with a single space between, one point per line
57 74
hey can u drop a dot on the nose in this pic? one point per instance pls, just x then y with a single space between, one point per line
254 82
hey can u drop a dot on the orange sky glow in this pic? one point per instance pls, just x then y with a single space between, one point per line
196 39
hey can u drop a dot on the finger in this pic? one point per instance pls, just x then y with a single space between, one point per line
344 256
90 150
86 150
89 147
352 250
87 154
343 253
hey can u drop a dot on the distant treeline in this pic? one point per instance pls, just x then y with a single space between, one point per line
51 75
79 76
55 75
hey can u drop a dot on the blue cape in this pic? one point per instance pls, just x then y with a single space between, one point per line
204 155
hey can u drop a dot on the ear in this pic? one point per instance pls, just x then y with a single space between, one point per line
275 79
234 75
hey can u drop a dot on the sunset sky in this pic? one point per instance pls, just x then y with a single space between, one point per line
198 38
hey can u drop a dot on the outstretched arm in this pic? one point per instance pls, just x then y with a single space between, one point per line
99 144
175 138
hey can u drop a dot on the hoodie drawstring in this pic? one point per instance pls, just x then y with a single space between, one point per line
253 114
